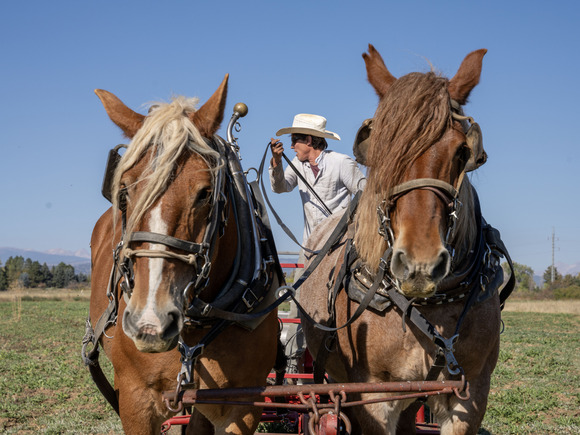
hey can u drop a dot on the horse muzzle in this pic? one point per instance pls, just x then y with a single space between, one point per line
419 278
153 330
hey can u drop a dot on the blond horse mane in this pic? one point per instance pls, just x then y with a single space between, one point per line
410 118
167 131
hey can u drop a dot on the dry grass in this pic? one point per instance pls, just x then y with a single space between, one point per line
571 306
45 294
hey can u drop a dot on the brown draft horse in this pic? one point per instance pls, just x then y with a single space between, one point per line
165 182
418 155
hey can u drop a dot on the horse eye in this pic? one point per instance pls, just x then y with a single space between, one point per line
463 154
203 196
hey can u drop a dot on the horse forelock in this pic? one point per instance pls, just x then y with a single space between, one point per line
166 134
412 116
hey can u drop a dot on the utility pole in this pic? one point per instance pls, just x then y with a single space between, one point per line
553 249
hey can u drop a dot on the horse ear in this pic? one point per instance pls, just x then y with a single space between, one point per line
378 74
467 76
209 116
127 120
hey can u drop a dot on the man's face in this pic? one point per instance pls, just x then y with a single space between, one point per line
302 147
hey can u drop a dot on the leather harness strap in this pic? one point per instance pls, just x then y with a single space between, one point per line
170 241
206 309
92 336
419 183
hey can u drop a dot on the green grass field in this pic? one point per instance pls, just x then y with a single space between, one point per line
45 387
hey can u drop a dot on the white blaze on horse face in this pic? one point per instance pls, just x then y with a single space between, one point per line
156 225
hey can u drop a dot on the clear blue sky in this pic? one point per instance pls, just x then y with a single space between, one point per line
285 58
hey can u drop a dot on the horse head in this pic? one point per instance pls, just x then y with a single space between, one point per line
162 202
420 148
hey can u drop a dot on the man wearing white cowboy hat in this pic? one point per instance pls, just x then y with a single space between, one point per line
333 176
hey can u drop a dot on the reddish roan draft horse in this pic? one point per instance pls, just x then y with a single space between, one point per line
166 182
418 221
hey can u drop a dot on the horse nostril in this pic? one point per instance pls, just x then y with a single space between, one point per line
128 324
442 266
173 325
399 264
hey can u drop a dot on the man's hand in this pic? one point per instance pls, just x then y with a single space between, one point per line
277 149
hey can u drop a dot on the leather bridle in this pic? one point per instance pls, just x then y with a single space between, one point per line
197 255
447 193
443 190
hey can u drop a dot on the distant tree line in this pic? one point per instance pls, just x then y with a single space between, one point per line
563 286
18 272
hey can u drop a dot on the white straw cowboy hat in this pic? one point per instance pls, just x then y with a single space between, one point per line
313 125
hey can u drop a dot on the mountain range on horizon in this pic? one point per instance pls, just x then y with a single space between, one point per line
568 269
80 260
83 253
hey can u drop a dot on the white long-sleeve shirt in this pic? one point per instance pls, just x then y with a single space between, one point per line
338 179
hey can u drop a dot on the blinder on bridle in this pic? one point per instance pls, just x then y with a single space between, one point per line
112 162
362 141
473 135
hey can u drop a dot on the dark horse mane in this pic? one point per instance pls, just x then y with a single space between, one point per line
410 118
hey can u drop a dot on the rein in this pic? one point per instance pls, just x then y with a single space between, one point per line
276 216
310 188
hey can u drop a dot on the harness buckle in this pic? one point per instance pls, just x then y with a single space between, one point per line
204 273
128 282
117 250
249 304
206 310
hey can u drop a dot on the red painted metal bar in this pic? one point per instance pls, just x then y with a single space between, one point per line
292 265
226 395
293 376
289 320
